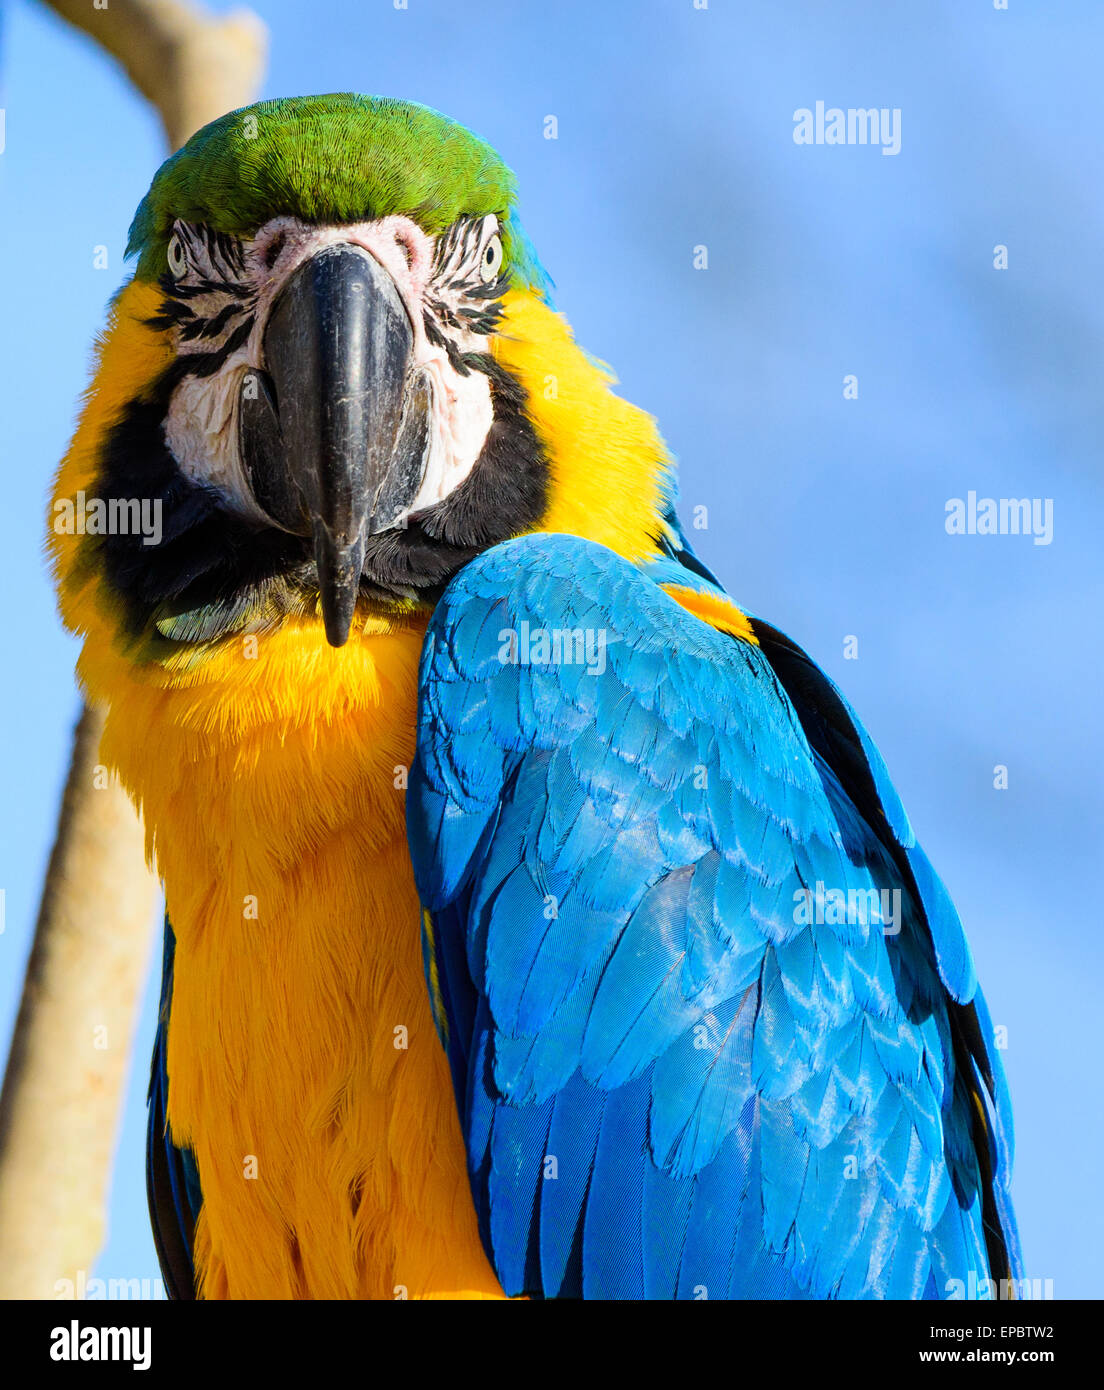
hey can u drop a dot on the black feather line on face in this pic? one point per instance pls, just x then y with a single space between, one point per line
176 289
462 241
212 327
490 289
203 364
171 315
252 575
175 312
457 359
432 332
446 242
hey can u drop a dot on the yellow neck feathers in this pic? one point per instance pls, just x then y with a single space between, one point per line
606 456
304 1069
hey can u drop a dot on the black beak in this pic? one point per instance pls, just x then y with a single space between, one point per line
334 436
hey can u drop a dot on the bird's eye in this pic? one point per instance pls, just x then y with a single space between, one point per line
491 261
178 260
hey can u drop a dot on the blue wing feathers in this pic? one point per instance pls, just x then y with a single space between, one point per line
739 1098
573 1142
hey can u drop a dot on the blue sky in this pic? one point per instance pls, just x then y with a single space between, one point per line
825 515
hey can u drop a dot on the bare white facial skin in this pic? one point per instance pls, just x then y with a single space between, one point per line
201 425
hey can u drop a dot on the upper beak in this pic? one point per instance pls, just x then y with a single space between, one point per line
334 436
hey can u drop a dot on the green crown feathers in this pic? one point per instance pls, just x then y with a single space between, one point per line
337 158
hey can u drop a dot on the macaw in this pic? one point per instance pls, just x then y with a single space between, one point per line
538 922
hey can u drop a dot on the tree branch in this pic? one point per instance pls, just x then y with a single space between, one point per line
190 66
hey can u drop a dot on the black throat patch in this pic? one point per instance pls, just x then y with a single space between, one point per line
214 572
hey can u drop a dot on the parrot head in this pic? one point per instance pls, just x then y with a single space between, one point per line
334 378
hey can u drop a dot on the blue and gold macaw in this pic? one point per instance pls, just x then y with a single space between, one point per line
538 922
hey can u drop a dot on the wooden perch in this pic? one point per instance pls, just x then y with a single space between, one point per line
67 1070
191 66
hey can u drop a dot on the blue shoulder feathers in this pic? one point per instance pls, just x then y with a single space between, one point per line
713 1025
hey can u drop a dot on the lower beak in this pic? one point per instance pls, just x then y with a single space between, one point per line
334 435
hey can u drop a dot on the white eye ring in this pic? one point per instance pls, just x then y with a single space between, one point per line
178 260
490 260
